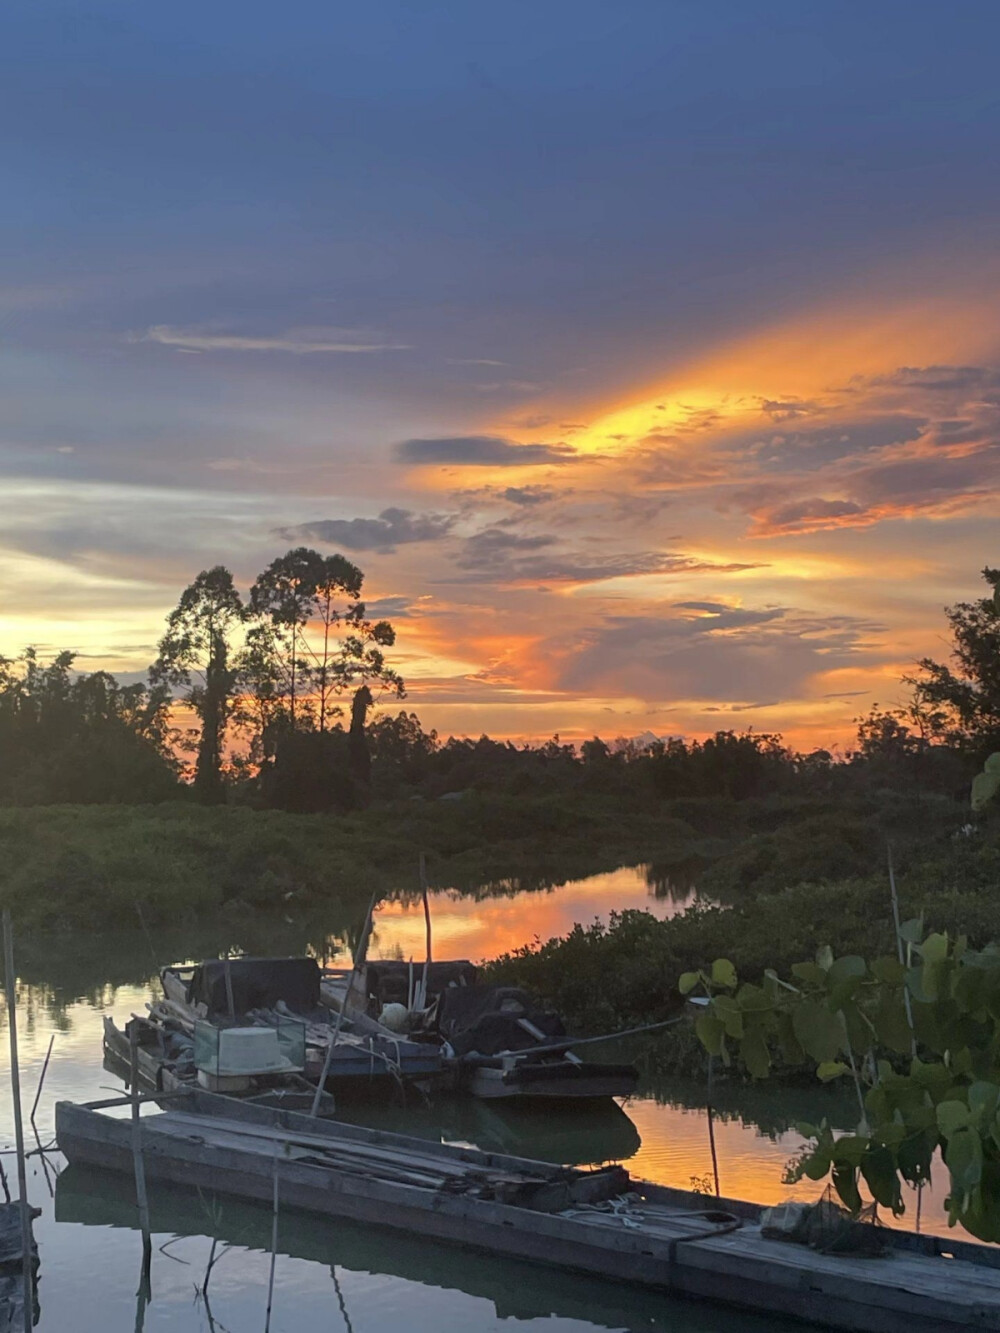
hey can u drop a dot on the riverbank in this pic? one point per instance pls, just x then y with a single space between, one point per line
101 867
607 976
98 867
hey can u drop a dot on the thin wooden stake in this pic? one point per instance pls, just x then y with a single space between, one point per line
906 990
15 1081
427 928
229 987
41 1081
711 1130
137 1163
359 958
274 1243
899 948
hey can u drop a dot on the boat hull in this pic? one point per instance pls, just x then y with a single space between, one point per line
679 1246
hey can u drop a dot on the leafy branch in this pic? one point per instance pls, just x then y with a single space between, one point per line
918 1036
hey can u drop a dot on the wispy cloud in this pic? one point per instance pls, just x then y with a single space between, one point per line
392 528
481 451
298 342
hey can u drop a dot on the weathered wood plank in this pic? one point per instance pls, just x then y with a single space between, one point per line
906 1293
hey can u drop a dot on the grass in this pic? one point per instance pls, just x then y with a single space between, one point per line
74 868
782 876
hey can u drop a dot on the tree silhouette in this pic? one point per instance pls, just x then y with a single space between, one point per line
318 644
965 699
195 653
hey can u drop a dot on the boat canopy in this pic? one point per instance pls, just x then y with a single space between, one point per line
389 979
490 1019
258 983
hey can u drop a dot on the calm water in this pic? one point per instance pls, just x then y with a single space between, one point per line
333 1277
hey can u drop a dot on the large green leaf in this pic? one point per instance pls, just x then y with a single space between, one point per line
850 966
811 973
791 1049
831 1069
934 948
984 1099
912 931
724 974
984 789
952 1116
818 1031
851 1149
889 970
890 1022
845 1182
754 1000
711 1032
755 1055
688 982
729 1012
878 1167
964 1159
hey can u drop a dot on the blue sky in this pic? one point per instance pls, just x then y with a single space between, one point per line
248 253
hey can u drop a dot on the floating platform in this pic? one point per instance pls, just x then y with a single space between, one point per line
597 1222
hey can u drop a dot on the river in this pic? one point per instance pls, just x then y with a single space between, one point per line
340 1277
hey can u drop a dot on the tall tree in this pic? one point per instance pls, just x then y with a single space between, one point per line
262 704
195 653
964 699
322 644
359 667
285 596
337 590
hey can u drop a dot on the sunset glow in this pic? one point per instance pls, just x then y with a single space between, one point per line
669 465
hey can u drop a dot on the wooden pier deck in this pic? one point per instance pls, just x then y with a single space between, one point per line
600 1222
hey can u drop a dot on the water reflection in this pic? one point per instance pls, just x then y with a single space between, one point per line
501 916
380 1276
675 881
67 984
581 1135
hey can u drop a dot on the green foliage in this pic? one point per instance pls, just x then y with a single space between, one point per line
965 697
920 1040
986 785
75 737
196 653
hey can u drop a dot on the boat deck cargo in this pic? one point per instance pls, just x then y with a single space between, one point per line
497 1040
279 991
599 1222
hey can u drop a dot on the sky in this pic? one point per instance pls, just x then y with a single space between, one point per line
644 355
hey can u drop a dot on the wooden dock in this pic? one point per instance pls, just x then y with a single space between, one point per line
595 1222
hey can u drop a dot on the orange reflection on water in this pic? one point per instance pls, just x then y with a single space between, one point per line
676 1150
464 927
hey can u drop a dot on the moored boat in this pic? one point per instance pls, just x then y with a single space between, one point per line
498 1041
166 1061
597 1222
285 992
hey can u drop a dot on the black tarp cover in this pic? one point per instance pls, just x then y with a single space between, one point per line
388 979
485 1019
258 983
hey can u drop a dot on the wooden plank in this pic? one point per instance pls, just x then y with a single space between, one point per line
908 1293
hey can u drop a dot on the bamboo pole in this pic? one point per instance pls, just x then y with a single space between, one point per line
899 947
359 958
274 1243
229 987
427 929
906 990
138 1164
41 1081
711 1129
15 1081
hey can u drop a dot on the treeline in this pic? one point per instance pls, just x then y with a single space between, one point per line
277 691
